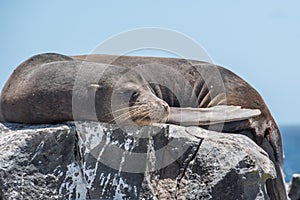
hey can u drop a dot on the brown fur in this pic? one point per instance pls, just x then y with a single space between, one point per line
47 98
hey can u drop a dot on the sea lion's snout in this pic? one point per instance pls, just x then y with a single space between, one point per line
138 105
148 109
165 106
159 111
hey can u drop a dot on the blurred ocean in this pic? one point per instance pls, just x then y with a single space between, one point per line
291 145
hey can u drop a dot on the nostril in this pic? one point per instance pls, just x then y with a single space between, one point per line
166 107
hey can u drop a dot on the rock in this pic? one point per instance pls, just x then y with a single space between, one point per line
88 160
294 187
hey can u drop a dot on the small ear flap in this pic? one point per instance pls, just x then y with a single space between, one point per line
208 116
92 88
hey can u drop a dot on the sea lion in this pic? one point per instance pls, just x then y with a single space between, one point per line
263 128
41 90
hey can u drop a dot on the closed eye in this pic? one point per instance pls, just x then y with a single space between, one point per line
133 97
134 94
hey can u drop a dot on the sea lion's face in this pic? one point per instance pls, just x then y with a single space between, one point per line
147 109
143 107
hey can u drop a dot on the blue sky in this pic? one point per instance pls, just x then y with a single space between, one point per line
258 40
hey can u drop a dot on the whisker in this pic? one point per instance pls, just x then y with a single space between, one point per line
147 115
127 108
122 116
138 111
121 110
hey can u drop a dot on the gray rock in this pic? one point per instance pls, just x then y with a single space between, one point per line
294 187
88 160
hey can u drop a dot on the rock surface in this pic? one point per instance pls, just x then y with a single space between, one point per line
294 187
88 160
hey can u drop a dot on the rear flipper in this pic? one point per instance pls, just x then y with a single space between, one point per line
209 116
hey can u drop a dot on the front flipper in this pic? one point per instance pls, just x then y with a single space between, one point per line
208 116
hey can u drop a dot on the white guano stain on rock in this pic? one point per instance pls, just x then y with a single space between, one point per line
121 185
77 183
90 136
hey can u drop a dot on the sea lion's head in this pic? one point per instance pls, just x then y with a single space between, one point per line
136 103
146 108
